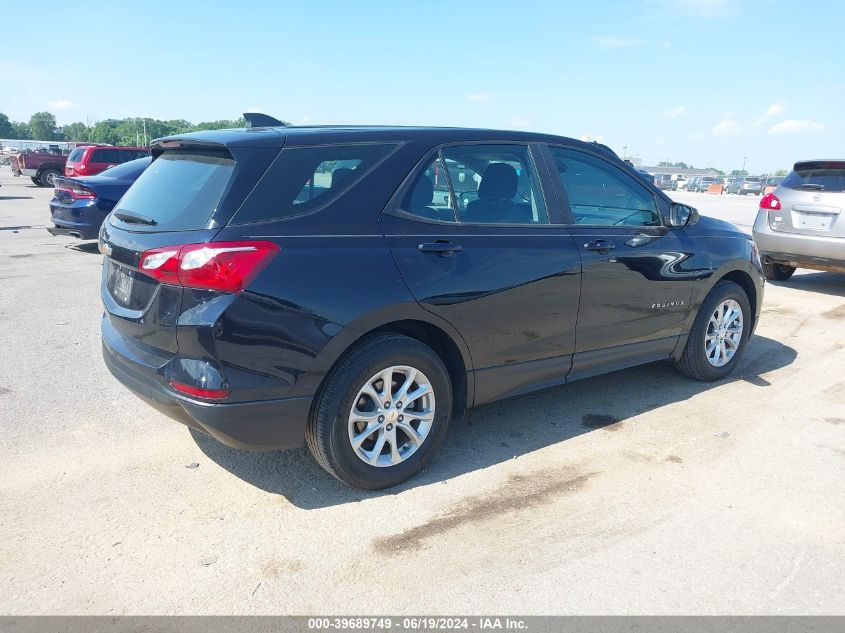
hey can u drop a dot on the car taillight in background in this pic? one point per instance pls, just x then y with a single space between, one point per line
222 266
77 192
770 202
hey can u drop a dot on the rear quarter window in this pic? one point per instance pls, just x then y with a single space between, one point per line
303 179
76 155
179 190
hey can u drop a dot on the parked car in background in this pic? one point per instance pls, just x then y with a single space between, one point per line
681 182
771 183
91 160
41 166
80 205
225 310
664 182
702 185
745 186
801 224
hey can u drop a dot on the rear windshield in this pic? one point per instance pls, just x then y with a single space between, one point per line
179 190
817 177
76 155
303 179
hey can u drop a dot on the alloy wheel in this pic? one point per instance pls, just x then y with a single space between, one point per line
724 333
391 416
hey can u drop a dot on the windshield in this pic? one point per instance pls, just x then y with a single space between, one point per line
179 190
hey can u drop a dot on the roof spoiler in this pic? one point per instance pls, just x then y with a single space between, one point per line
256 119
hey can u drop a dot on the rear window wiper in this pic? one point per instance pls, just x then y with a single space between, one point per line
812 186
134 218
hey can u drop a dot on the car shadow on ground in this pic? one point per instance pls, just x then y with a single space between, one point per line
825 283
92 248
15 197
502 430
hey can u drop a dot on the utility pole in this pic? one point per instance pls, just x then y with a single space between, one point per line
744 158
624 152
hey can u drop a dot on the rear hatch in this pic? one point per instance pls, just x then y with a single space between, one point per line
810 200
73 161
184 197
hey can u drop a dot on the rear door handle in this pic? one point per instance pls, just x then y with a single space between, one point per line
599 245
442 248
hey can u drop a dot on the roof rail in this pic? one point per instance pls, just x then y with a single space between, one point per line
256 119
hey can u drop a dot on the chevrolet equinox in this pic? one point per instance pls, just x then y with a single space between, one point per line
354 288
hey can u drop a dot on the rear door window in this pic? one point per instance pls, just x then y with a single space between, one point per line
179 190
495 184
304 179
110 156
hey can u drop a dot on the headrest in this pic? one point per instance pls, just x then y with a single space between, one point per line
498 183
341 176
423 193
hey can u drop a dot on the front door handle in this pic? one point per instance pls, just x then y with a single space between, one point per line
441 248
599 245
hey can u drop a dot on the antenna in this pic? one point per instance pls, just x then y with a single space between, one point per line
256 119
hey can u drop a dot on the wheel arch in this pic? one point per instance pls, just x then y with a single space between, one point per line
411 321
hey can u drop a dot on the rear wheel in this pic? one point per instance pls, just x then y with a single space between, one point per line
777 272
35 181
719 335
382 413
47 178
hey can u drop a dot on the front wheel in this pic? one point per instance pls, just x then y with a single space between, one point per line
382 414
35 181
777 272
719 335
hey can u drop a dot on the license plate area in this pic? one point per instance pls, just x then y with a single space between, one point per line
812 221
128 287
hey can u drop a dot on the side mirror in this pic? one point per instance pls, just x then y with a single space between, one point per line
682 215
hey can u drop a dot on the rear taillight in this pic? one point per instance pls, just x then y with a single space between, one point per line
77 192
199 392
222 266
770 202
80 167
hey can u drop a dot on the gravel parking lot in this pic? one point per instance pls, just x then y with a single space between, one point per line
636 492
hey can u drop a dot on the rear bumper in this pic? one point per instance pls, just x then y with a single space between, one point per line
797 247
80 220
260 425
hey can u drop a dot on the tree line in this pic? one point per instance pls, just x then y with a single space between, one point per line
130 131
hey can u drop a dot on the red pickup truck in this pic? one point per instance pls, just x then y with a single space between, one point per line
42 165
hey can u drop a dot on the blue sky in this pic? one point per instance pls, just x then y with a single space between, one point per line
703 81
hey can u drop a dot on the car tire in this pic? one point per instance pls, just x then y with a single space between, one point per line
777 272
333 431
697 360
35 181
47 178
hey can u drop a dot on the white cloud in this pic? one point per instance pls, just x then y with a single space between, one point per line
696 8
696 137
677 111
791 126
306 120
61 104
519 121
589 137
773 110
727 127
609 42
478 97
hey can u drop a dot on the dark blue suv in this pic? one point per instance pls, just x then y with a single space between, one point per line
354 288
